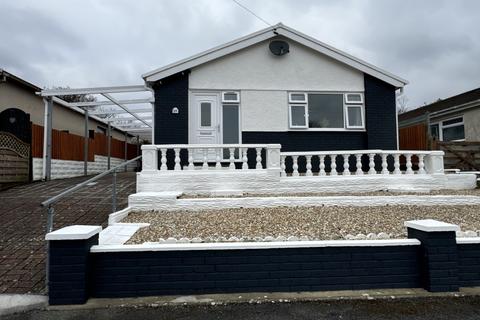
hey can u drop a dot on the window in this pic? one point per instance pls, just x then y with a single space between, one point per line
354 117
298 116
205 114
297 97
448 130
326 111
353 98
230 96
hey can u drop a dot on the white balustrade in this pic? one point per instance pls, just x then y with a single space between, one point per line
210 157
391 162
158 158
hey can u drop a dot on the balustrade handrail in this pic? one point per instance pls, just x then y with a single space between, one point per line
370 151
205 146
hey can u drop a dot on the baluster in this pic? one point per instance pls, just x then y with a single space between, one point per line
421 164
322 165
244 159
231 152
295 166
205 159
408 157
259 158
371 163
333 165
359 164
177 159
283 173
190 159
218 164
396 164
346 165
384 164
309 166
163 159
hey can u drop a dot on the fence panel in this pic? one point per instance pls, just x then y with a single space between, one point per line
413 137
463 155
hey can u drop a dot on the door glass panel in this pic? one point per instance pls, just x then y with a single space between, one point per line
206 114
231 127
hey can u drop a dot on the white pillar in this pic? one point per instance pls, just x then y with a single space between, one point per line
47 139
149 158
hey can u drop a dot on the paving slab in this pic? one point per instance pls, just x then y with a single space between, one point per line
23 224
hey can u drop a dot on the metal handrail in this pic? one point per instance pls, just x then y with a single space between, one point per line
49 202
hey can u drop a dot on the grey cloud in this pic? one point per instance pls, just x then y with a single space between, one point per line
105 42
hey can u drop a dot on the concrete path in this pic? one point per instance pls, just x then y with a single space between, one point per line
441 308
23 224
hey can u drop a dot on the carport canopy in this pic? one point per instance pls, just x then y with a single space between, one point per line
128 109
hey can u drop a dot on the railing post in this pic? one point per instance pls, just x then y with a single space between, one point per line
114 191
434 162
273 156
149 158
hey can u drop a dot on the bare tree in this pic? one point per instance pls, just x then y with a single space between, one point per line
402 102
72 98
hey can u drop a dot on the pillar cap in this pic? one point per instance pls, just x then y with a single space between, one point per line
431 225
76 232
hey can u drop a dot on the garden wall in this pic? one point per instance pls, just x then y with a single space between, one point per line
432 258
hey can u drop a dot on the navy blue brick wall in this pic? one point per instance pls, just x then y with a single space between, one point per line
69 271
169 93
469 265
262 270
380 114
438 259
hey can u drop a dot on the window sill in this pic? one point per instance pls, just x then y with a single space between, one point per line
326 130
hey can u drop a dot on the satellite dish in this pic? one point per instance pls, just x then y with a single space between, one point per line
279 47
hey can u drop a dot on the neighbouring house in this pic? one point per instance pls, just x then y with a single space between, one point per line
276 85
22 115
451 124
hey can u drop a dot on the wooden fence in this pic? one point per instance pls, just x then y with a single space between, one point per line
414 137
67 146
463 155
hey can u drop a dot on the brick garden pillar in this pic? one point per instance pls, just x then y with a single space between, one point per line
438 254
68 267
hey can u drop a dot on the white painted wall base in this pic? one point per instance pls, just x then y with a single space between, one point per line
156 201
68 168
269 181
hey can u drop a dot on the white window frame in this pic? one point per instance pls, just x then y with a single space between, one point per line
441 127
305 108
346 127
347 101
362 116
291 101
230 101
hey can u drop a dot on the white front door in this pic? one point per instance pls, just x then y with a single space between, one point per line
206 127
207 120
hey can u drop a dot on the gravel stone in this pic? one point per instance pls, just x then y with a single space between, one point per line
301 222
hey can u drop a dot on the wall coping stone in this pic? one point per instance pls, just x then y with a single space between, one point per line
468 240
75 232
252 245
431 225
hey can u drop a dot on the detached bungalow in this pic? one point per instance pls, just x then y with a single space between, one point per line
276 85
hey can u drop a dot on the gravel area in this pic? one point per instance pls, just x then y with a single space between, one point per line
314 222
474 192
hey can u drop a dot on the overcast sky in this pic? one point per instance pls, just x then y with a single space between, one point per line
78 43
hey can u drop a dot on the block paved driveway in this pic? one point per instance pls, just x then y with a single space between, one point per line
23 224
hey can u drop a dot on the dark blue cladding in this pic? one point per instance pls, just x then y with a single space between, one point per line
469 265
380 114
171 92
261 270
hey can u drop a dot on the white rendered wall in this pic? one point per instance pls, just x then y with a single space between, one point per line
264 110
69 168
258 69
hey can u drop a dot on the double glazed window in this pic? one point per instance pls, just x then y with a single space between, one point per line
326 111
448 130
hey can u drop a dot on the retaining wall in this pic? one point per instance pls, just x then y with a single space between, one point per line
432 258
69 168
